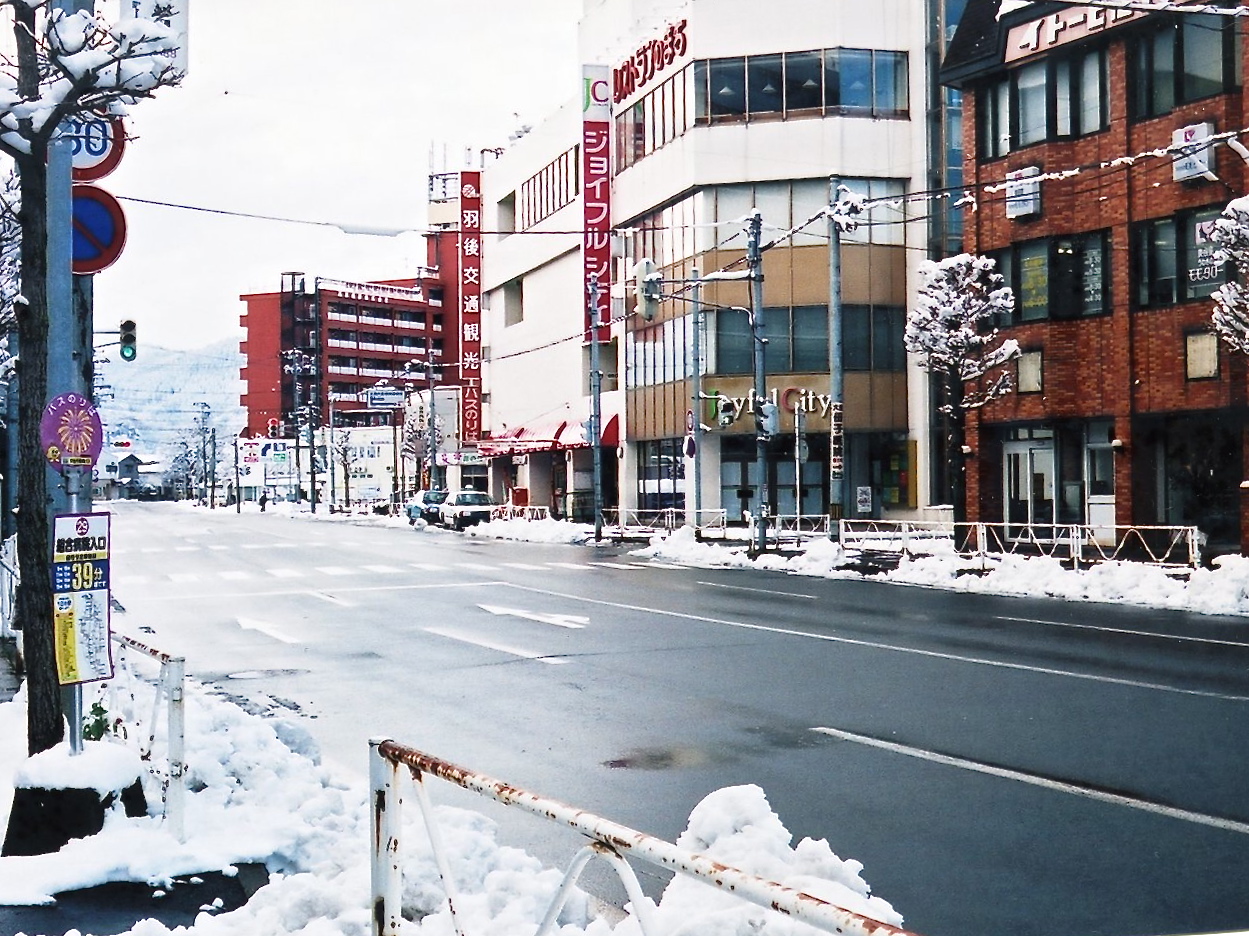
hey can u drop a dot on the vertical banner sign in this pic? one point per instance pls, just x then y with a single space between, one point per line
470 306
80 599
596 194
836 460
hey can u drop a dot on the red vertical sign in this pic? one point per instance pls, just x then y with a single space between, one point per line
470 306
596 194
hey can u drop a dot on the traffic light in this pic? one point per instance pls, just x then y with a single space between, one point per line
769 420
129 351
275 429
725 412
647 287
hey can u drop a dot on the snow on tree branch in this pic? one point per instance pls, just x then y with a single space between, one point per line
84 65
951 327
1231 310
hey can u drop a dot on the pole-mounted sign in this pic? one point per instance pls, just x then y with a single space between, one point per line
99 230
70 432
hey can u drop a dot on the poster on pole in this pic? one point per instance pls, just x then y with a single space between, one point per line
80 597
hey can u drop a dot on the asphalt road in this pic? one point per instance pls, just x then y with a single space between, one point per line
998 765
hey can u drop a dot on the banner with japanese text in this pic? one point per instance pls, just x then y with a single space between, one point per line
596 198
80 597
470 306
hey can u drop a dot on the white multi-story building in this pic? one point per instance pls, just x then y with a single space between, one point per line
718 107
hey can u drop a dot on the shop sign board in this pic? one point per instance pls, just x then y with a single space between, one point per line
80 597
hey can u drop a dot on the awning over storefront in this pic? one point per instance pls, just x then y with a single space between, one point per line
538 436
574 436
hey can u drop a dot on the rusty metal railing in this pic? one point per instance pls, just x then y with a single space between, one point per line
609 841
170 686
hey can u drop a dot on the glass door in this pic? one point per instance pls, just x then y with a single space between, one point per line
1029 481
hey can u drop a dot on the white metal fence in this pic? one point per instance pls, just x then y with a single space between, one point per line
8 585
610 841
622 522
1080 544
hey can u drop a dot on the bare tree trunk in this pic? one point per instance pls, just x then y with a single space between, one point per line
956 421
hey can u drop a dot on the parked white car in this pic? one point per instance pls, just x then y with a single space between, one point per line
464 508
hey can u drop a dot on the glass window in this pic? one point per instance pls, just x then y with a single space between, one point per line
1203 271
1092 107
995 120
855 71
1162 99
890 74
888 353
1156 263
1202 41
856 337
810 338
777 331
698 77
1034 280
733 343
766 83
804 89
1063 98
1031 96
728 87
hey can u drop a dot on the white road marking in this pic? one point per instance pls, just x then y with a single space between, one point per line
382 569
1005 773
331 599
287 573
186 549
269 630
877 645
661 565
428 566
490 645
152 549
570 621
757 591
219 547
1183 638
625 566
570 565
523 566
268 545
184 577
334 570
235 575
477 566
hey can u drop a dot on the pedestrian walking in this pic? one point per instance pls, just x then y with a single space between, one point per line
264 499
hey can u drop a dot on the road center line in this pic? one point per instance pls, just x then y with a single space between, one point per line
1184 638
490 645
877 645
1005 773
756 591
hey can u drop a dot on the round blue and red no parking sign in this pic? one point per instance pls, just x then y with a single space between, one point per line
99 229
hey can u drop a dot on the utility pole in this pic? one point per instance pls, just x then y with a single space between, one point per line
754 260
205 414
212 498
433 429
696 398
238 490
596 395
836 374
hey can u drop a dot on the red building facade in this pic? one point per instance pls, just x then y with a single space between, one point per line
1127 409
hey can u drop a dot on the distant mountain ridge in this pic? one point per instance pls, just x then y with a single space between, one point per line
155 399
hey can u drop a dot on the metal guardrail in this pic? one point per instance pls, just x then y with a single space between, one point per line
609 841
171 687
624 522
1080 544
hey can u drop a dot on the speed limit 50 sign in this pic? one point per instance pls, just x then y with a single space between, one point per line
97 145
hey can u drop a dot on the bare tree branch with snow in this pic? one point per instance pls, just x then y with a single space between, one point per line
1231 309
951 330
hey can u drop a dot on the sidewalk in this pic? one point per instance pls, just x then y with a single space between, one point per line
116 908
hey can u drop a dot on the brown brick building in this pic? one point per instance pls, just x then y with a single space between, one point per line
1127 410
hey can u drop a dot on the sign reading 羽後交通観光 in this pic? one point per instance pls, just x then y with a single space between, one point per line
80 597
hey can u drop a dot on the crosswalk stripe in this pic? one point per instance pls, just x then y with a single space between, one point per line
524 566
235 575
381 569
579 566
428 566
334 570
287 573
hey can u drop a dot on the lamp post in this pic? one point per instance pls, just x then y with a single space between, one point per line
205 416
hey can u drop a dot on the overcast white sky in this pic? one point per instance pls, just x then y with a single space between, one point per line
316 110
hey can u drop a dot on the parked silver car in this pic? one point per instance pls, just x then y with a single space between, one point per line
464 508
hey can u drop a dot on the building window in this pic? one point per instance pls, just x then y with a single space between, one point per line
1029 372
1201 355
1058 98
1058 277
1180 61
872 338
547 191
1176 260
661 474
728 88
804 81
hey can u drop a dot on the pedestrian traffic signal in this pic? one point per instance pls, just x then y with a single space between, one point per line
769 420
129 351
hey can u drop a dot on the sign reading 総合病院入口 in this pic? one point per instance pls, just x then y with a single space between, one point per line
80 597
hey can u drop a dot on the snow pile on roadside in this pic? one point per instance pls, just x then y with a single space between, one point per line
257 792
534 531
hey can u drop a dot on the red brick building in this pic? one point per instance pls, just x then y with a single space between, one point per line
351 336
1127 409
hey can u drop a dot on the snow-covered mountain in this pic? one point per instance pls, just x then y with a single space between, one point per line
155 399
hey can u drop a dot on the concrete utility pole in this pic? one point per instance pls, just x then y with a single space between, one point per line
754 260
596 398
696 398
836 374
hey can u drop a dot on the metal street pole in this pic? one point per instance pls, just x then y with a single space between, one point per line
696 401
754 260
212 499
238 489
433 430
596 394
836 374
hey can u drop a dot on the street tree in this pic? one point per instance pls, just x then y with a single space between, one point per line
343 452
951 330
65 65
1231 300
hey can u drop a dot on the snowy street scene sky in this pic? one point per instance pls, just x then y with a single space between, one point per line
308 110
